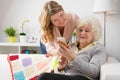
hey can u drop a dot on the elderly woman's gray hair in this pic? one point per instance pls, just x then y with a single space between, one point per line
95 25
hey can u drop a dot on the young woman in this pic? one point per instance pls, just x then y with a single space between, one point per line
55 22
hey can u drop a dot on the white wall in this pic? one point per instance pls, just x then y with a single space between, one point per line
15 11
12 12
112 33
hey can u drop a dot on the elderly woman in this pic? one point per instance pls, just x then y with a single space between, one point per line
85 64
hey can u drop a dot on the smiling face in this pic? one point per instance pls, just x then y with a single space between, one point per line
59 19
85 35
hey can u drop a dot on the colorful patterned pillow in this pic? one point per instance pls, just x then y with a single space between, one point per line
28 66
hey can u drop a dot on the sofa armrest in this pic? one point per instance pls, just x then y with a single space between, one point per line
110 70
5 73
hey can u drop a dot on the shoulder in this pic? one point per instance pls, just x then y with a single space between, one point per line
99 46
98 49
73 15
72 18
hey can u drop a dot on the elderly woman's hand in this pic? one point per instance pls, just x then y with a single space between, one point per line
66 52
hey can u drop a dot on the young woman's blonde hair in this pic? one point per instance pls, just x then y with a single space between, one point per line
95 25
49 8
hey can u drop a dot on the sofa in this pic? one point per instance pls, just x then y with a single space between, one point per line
29 66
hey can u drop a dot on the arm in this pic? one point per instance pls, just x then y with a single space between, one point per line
51 48
90 66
